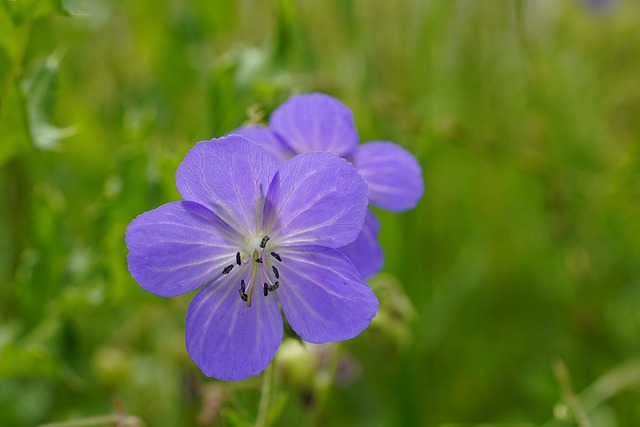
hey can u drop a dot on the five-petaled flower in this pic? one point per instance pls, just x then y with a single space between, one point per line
319 122
258 236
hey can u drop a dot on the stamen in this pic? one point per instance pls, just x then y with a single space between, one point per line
259 260
243 294
227 269
276 256
274 287
275 271
266 289
264 241
238 260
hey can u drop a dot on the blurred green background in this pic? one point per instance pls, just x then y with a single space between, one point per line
511 295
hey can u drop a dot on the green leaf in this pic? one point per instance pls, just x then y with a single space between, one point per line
68 7
14 135
232 418
9 33
26 360
22 11
39 88
5 72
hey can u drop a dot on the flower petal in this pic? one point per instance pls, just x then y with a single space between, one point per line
178 247
315 122
230 176
265 138
393 174
227 339
316 198
322 294
365 252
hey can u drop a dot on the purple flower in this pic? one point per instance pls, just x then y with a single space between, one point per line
256 234
319 122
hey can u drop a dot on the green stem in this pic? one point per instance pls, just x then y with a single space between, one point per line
266 397
570 398
619 379
102 420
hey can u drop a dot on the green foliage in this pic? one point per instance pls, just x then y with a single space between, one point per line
511 295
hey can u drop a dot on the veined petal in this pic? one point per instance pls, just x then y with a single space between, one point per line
315 122
230 176
227 339
365 252
178 247
393 174
265 138
322 294
316 198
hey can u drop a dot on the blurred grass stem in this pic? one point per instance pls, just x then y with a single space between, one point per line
568 396
621 378
116 420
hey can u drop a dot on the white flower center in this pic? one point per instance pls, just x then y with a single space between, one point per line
256 261
254 243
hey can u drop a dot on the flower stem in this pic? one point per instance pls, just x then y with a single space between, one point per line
324 384
266 397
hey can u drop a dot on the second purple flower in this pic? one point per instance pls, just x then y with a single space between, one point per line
319 122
